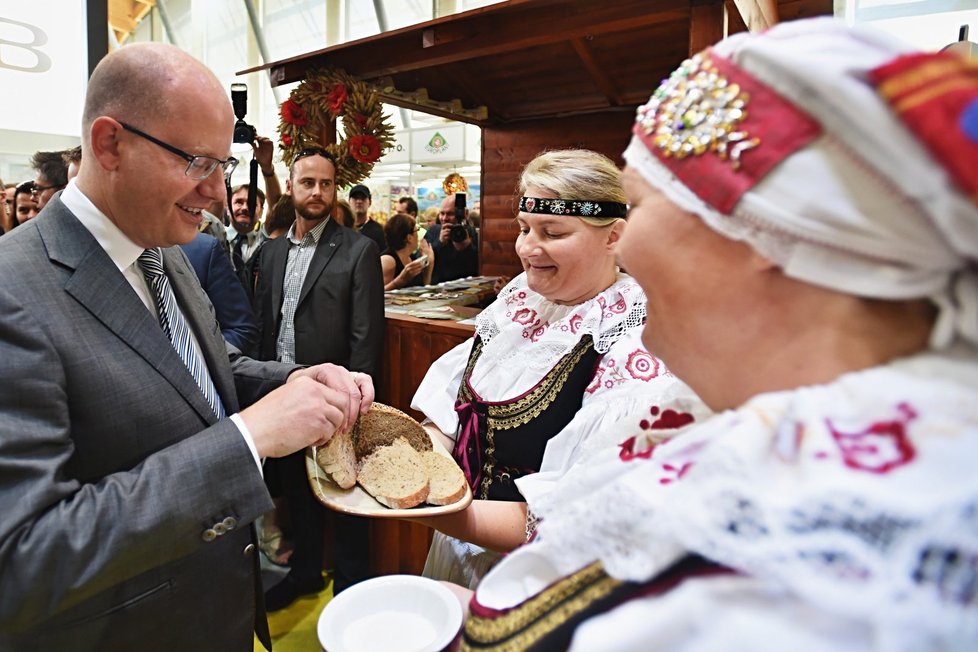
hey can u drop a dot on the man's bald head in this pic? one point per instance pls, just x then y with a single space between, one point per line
142 83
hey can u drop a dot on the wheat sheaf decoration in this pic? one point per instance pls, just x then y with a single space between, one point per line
331 94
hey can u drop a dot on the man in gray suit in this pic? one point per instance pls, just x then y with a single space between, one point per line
126 495
320 298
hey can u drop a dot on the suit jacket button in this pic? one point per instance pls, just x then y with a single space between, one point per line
209 535
248 549
230 523
219 528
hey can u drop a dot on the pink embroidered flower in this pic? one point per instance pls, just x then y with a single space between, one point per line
642 365
619 306
538 331
525 316
881 447
575 323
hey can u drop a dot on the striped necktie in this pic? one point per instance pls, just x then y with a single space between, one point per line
175 326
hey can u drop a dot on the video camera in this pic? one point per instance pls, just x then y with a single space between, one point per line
459 232
243 132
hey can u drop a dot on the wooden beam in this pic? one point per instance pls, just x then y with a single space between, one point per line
461 43
758 14
706 25
599 76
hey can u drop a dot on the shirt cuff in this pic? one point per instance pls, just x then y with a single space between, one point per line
246 435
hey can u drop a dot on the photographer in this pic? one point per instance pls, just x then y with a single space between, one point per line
455 242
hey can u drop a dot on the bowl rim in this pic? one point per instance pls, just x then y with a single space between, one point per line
445 631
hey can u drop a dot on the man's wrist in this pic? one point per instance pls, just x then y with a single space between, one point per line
269 173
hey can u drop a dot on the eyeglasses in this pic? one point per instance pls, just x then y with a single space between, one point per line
314 151
37 189
198 167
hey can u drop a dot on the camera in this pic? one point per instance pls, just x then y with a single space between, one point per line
243 132
458 232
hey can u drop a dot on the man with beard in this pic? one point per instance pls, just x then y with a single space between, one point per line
320 298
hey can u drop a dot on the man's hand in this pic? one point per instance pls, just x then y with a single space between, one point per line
264 150
445 234
298 414
358 387
308 410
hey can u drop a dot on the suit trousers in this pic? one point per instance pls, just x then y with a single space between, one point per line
351 545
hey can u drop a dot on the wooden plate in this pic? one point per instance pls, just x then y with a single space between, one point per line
358 502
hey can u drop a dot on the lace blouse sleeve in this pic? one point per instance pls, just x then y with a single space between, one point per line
437 393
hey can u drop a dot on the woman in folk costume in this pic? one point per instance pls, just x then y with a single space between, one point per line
556 357
804 222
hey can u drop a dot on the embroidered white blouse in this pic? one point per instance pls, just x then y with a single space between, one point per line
524 335
849 509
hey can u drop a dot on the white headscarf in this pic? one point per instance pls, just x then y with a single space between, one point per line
863 208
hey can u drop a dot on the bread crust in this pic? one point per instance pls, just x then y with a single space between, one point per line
338 460
446 480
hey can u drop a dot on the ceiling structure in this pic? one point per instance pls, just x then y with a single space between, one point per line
530 59
124 15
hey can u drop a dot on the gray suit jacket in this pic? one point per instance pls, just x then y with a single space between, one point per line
340 314
125 506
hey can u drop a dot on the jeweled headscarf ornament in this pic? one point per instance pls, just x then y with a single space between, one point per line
859 174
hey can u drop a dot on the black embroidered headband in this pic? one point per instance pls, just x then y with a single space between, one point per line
574 207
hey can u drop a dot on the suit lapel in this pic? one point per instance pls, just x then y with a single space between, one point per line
278 257
97 284
329 242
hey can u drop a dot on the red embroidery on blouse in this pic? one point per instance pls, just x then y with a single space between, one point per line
537 331
628 452
677 471
881 447
596 382
670 419
525 316
642 365
575 323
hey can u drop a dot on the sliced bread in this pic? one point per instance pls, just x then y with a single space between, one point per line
395 475
338 461
382 425
446 481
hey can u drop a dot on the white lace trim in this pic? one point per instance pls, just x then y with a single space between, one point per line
519 316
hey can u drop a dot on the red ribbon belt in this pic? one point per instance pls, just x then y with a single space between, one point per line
468 432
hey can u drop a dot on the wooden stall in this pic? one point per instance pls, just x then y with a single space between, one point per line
534 75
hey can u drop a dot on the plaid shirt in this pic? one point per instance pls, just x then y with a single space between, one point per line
300 255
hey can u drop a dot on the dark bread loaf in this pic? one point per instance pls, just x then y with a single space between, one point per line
382 425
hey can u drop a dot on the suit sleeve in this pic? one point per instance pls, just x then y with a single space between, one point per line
65 539
231 304
367 308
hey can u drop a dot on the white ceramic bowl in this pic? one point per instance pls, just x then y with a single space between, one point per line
396 613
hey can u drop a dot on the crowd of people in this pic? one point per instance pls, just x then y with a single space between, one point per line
761 433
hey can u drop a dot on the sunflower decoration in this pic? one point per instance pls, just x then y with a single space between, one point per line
331 94
454 183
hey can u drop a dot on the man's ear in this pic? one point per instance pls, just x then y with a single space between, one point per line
105 142
288 186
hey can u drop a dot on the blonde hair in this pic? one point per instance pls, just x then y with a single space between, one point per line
576 174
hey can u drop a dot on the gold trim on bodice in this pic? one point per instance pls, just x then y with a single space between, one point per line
512 414
525 625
